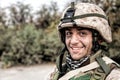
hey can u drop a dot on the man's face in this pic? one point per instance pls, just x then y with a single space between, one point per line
78 42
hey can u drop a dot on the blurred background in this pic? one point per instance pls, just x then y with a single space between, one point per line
28 34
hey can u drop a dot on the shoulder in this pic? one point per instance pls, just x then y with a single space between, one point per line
115 70
114 74
54 74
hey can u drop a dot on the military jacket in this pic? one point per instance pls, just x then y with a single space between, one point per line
97 73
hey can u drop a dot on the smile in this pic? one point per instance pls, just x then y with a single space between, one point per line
77 48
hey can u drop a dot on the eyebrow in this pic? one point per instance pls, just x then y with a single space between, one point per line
80 28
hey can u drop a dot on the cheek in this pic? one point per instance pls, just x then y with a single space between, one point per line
67 42
88 42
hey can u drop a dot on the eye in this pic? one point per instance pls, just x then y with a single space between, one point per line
68 33
82 33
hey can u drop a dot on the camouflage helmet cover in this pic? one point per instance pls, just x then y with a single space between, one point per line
89 16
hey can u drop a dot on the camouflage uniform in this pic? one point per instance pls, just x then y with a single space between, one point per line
90 16
93 74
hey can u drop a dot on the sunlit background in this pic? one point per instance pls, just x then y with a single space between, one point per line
35 3
28 33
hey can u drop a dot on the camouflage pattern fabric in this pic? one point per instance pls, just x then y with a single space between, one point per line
94 74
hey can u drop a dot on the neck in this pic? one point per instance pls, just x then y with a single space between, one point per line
74 64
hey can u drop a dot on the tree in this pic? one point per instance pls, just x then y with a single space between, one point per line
2 17
20 13
46 15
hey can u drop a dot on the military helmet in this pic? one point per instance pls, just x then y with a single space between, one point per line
86 15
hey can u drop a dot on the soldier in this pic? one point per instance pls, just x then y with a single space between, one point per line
84 30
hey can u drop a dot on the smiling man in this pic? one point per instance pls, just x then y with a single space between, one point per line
78 42
84 30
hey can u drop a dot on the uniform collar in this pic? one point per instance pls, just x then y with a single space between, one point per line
97 54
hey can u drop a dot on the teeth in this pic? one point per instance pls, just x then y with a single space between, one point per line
75 48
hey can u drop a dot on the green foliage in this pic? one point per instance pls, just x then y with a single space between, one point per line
21 46
28 45
20 13
46 15
24 44
52 45
115 45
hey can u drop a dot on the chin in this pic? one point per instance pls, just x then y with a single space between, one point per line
76 57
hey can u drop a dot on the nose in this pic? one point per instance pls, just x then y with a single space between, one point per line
74 39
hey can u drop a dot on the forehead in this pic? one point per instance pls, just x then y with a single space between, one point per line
77 28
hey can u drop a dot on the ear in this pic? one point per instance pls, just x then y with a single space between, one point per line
100 41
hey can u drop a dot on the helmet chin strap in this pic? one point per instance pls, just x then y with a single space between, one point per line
96 45
60 60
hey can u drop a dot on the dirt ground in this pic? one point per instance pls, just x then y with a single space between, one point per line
38 72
